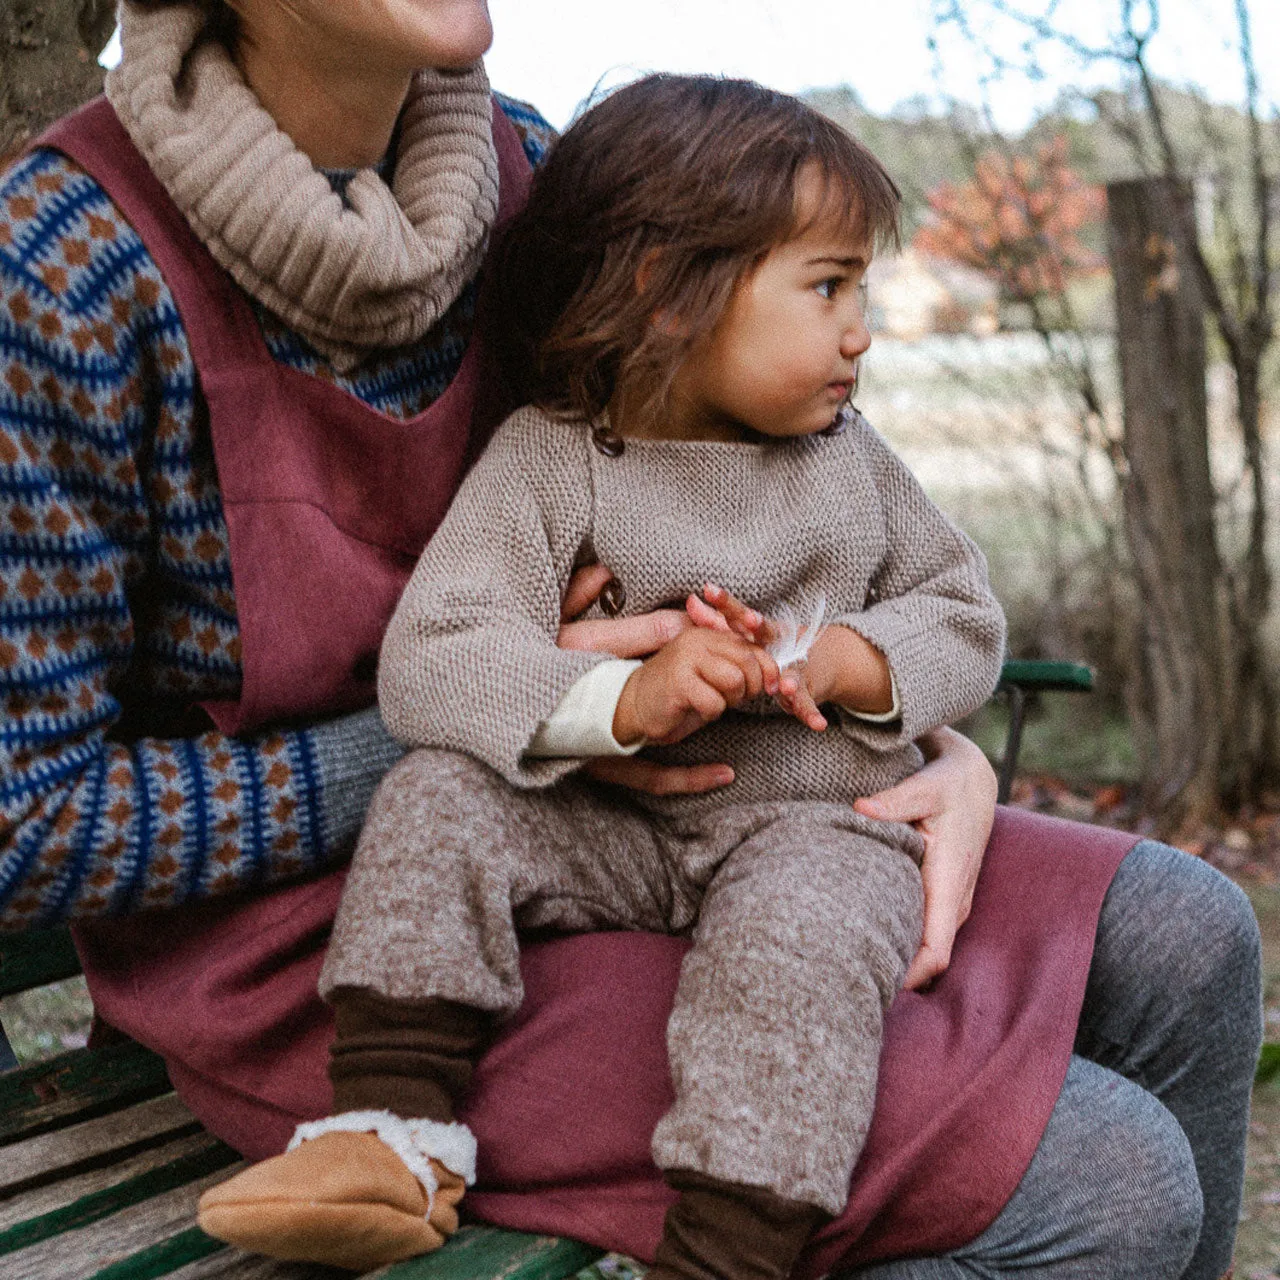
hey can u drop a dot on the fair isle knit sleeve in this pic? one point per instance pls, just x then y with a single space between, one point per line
469 661
536 135
116 604
930 609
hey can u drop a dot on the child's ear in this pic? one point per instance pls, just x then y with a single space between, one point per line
665 321
644 272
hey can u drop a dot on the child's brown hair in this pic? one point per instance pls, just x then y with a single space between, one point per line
643 218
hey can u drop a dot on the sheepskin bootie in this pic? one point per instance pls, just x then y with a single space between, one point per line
356 1190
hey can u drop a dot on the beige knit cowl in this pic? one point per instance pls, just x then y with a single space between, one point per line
376 272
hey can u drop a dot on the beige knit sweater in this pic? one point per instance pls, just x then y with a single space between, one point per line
378 271
470 661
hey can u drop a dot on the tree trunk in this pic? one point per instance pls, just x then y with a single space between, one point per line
48 63
1185 654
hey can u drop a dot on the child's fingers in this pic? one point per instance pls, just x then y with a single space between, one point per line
748 623
736 674
704 699
796 700
701 614
770 673
807 710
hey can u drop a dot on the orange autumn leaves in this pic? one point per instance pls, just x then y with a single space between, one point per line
1019 220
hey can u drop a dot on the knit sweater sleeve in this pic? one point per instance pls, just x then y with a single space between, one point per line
116 598
929 609
470 661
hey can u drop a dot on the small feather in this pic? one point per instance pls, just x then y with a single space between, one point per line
796 638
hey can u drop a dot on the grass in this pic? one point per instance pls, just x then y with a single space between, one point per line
48 1021
1072 736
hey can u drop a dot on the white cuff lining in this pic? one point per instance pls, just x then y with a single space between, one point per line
416 1142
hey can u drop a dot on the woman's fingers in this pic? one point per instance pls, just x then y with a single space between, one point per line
583 590
951 801
659 779
914 799
946 908
635 637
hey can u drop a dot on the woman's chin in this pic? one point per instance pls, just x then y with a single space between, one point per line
455 34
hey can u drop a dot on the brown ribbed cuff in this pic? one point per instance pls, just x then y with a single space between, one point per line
413 1058
726 1231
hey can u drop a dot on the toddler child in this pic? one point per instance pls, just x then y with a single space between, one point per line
685 308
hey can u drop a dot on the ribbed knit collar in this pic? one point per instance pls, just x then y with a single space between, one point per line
376 271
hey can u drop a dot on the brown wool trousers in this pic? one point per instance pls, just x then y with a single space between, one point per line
803 917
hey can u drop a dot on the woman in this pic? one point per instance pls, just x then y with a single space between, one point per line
243 374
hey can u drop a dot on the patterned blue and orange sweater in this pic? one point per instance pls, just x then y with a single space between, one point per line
117 607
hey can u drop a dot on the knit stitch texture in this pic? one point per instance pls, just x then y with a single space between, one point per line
374 267
470 661
117 607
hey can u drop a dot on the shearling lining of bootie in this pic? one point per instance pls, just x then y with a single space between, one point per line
416 1142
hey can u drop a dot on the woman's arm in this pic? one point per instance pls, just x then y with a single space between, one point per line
116 598
952 803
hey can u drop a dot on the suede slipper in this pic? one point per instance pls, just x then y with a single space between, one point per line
342 1199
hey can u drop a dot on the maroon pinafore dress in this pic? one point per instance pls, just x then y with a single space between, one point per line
328 503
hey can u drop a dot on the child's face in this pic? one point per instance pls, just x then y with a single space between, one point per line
782 358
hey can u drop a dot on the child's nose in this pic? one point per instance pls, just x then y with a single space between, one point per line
856 337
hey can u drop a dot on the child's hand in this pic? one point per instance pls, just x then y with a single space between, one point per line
719 610
846 668
690 682
797 699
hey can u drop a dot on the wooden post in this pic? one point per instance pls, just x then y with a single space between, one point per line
1168 498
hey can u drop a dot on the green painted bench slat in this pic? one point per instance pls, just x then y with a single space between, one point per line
79 1184
1042 674
475 1252
102 1204
478 1251
164 1257
77 1086
101 1143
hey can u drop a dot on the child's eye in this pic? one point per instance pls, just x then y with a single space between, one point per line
827 288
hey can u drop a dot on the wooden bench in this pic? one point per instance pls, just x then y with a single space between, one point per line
101 1164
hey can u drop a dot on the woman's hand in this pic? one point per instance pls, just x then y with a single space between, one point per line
635 637
951 802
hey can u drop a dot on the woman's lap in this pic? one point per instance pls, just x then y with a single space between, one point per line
1155 1002
1174 1003
1171 1023
1110 1192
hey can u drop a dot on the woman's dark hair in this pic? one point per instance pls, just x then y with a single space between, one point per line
653 204
220 19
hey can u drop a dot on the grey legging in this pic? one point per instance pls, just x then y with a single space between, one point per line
1140 1170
